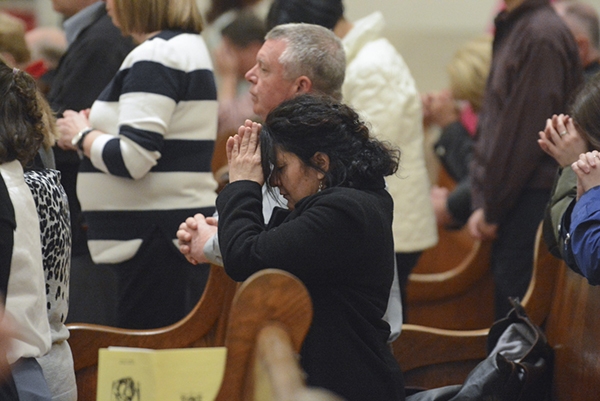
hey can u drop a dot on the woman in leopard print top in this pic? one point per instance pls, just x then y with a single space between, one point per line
55 229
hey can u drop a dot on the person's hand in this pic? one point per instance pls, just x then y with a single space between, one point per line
561 140
193 234
243 154
479 228
588 171
439 200
443 109
69 125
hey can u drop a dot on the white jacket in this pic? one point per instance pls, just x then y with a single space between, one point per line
380 87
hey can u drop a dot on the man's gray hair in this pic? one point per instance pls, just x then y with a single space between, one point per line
315 52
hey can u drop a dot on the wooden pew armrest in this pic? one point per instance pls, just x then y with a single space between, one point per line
431 357
453 282
420 346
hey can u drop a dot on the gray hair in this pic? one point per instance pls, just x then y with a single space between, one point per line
315 52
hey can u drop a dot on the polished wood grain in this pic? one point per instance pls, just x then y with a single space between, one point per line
572 329
451 287
268 296
277 373
559 300
262 322
541 291
204 326
431 357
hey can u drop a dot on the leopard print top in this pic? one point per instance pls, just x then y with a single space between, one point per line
53 212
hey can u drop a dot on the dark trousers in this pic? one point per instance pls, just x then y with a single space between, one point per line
512 251
405 263
158 287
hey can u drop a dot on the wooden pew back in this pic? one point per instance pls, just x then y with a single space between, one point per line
451 287
432 357
573 330
559 300
270 316
269 297
205 326
262 326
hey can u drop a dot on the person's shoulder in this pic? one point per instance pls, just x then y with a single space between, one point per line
545 25
379 63
102 29
178 49
176 40
43 181
48 175
352 198
102 34
378 53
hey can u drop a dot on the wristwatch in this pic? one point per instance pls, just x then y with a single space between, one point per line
78 139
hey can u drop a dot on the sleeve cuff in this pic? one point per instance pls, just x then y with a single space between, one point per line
212 251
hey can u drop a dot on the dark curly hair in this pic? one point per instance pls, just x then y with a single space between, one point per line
585 111
307 124
21 117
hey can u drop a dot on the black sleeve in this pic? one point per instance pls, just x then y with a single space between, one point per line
88 66
7 227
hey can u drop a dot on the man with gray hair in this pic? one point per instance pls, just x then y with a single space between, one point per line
582 21
380 87
295 59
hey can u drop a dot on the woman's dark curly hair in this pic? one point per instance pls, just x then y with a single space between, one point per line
585 111
307 124
21 117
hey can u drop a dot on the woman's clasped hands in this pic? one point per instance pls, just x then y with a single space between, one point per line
69 125
561 140
243 154
193 234
587 168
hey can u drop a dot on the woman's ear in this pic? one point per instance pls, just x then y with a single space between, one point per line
321 160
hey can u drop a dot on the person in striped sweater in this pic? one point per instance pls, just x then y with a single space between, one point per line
147 144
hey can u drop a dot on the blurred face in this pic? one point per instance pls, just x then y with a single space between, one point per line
294 179
110 10
268 86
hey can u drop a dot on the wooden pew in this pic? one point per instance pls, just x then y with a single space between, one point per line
277 372
269 318
263 326
205 326
433 357
451 287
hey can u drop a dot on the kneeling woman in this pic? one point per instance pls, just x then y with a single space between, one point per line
335 236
